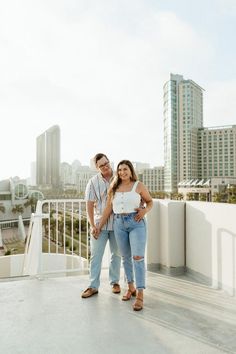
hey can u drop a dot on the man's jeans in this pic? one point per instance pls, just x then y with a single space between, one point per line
97 251
131 239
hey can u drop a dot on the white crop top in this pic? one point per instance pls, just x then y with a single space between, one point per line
126 202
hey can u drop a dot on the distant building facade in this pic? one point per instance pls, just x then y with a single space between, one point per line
48 158
75 176
33 174
140 166
216 162
14 192
183 113
208 187
66 173
153 178
217 152
82 177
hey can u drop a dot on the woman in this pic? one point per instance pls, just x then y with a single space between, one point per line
127 197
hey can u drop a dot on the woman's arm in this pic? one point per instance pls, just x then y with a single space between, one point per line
146 197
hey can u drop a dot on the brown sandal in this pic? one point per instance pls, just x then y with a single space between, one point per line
128 294
138 304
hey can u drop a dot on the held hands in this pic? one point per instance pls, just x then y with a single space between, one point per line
95 231
140 214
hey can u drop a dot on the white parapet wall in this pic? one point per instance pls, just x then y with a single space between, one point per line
211 243
13 265
153 240
166 236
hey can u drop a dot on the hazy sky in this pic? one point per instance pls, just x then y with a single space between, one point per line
97 69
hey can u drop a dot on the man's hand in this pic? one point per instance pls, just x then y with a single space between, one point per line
95 231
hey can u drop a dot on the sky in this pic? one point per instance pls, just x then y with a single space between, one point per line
97 68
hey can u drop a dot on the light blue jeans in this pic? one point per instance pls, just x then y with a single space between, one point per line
97 252
131 239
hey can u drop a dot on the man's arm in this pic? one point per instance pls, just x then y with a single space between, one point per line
90 211
106 213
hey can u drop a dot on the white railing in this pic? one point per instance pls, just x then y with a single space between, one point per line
58 238
198 237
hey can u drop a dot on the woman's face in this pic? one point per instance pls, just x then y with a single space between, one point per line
124 172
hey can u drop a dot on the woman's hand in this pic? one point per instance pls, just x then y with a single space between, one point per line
95 231
140 214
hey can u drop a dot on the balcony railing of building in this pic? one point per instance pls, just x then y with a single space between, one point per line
57 240
196 237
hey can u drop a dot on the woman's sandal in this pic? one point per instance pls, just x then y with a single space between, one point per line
128 294
138 304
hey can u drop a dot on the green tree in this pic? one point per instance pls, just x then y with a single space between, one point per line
32 202
232 199
191 196
231 194
158 195
203 197
2 208
217 197
177 196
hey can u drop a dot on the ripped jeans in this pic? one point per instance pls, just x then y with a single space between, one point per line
131 239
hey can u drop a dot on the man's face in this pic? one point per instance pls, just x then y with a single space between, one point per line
103 165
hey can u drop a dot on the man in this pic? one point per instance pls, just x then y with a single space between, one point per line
96 197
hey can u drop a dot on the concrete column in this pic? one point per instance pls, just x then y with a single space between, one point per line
166 236
153 240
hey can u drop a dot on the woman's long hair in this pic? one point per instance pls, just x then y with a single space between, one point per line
117 180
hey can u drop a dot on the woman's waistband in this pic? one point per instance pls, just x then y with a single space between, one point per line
125 214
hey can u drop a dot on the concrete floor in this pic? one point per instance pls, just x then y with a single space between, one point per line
48 316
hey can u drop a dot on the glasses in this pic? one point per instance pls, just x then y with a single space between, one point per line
104 165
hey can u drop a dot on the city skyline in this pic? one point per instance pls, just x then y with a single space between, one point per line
98 72
48 157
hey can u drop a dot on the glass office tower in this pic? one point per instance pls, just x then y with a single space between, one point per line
183 115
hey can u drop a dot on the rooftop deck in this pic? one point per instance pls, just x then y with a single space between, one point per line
180 316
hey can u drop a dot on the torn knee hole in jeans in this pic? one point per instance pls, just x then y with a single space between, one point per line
138 258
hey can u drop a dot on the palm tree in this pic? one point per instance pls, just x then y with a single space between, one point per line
18 208
2 208
32 202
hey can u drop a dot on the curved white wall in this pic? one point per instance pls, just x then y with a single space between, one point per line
12 266
165 246
198 236
211 242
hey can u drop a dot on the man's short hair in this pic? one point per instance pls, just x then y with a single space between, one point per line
98 157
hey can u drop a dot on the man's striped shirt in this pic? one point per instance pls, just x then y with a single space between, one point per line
96 191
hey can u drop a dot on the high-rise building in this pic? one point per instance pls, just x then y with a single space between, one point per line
153 178
33 173
140 166
66 173
48 157
83 174
183 114
217 152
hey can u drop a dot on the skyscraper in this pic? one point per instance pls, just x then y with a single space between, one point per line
48 157
183 115
217 152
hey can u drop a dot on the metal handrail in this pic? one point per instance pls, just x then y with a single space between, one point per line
52 228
